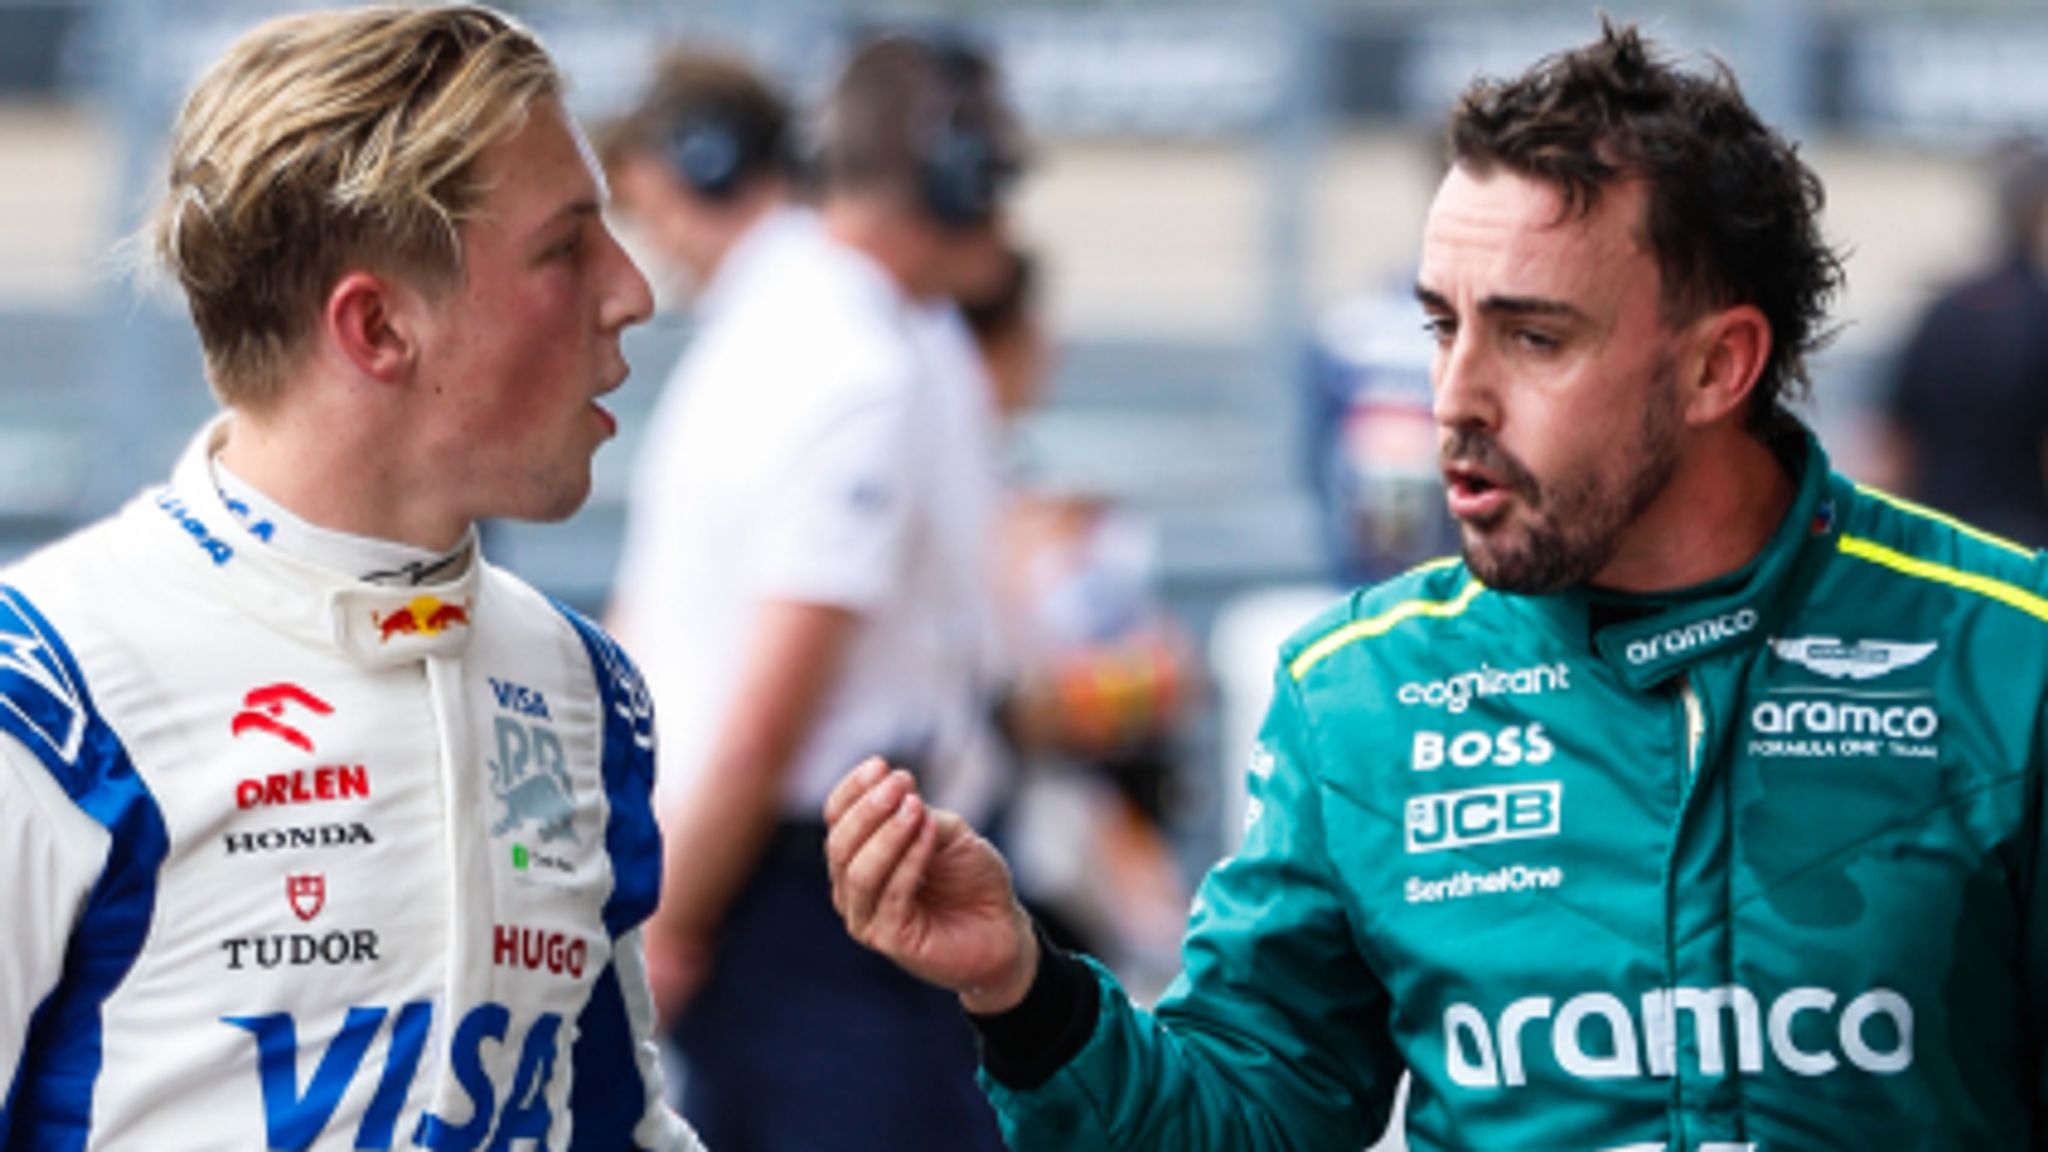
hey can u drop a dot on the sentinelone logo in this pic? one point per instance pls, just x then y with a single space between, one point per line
1462 885
1455 693
1681 640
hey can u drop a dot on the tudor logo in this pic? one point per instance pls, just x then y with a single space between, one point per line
1855 660
307 893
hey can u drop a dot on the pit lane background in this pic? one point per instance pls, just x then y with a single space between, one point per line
1212 177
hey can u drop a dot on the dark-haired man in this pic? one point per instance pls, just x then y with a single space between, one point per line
1697 807
804 580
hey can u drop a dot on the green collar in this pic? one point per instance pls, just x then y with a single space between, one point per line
1653 637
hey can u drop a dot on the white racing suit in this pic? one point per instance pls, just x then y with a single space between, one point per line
293 861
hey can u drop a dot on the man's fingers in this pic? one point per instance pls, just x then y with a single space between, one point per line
877 863
850 787
858 819
898 901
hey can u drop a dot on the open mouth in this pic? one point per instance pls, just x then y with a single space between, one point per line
1473 494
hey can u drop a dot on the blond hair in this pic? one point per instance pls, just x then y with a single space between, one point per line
326 142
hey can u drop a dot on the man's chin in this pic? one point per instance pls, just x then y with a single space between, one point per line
1504 568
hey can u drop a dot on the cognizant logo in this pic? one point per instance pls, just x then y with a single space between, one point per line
1872 1032
1681 640
1456 693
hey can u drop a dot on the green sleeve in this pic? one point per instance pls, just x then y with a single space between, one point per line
1276 1034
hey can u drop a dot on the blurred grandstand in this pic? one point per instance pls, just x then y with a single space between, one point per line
1213 175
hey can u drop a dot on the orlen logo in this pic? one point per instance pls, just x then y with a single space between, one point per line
1484 815
1681 640
305 786
1845 718
1872 1032
423 616
263 711
1454 694
1504 748
556 953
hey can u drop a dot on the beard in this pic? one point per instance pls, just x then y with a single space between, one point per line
1571 528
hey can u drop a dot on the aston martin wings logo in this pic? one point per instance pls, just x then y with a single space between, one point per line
1854 659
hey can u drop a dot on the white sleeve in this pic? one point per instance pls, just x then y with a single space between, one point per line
51 853
660 1129
832 529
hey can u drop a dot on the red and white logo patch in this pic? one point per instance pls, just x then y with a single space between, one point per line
308 894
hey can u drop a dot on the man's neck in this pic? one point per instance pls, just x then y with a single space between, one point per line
881 230
755 205
340 473
1718 513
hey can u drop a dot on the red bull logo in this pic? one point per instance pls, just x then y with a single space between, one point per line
422 616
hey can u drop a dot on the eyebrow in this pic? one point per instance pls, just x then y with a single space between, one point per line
577 210
584 208
1504 305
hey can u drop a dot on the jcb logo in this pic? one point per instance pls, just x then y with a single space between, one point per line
1443 820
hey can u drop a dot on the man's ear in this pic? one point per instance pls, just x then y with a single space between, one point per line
372 321
1730 349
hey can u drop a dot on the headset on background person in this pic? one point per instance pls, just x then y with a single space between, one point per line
714 153
965 160
964 168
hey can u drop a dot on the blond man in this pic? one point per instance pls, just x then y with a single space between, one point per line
320 831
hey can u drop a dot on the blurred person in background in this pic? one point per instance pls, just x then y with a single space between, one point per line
1966 426
1698 806
806 576
703 167
321 831
1372 454
1097 684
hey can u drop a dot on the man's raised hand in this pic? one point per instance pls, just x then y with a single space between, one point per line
917 885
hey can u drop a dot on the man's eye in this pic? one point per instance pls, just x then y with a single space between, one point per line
1535 341
1440 328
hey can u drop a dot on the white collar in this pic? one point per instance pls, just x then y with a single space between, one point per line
377 561
375 625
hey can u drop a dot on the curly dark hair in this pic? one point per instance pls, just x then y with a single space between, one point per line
1732 215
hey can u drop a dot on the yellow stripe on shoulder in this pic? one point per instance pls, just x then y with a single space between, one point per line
1986 586
1922 510
1372 626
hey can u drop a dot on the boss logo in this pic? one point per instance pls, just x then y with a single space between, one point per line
1504 748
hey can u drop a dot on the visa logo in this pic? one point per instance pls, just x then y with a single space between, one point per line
519 698
296 1117
1444 820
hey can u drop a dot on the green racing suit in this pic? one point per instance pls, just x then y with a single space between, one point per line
1750 867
